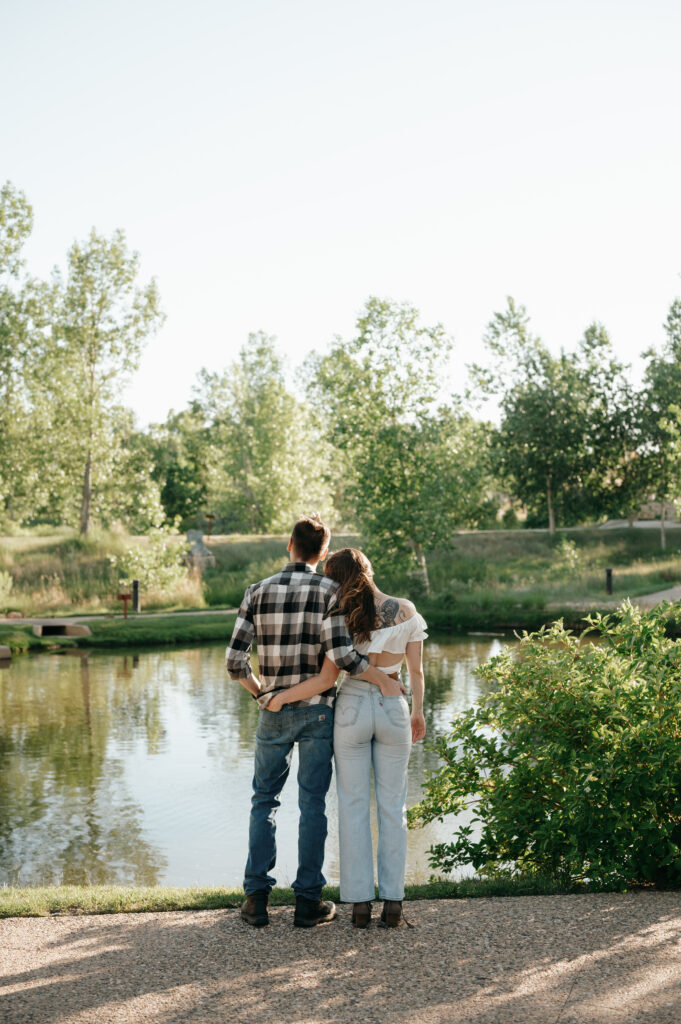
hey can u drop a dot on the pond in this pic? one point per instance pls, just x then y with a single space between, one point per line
136 769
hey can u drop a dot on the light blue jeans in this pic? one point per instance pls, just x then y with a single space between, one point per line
370 729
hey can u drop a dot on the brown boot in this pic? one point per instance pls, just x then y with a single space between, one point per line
254 910
309 913
361 914
391 915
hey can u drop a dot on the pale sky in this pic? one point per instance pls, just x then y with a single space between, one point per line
277 163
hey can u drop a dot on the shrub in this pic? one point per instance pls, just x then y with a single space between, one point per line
572 763
158 562
567 558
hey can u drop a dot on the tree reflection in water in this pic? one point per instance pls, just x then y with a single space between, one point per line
65 815
136 769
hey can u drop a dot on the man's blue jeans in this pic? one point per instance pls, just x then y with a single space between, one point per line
311 727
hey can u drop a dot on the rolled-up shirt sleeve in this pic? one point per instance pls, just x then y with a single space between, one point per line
238 660
337 644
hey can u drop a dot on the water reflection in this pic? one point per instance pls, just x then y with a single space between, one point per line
137 769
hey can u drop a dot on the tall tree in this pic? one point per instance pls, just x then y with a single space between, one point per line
265 457
101 320
181 453
614 477
415 467
16 222
661 398
565 426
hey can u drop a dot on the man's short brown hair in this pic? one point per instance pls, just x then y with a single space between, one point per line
310 535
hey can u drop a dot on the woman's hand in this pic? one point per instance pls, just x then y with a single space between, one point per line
418 726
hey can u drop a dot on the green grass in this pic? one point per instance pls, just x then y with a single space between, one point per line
21 639
158 630
61 574
144 631
530 562
498 579
489 610
522 579
106 899
241 560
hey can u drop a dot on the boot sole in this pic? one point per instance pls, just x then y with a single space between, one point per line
307 923
255 922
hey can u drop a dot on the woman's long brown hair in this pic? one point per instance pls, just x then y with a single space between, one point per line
352 570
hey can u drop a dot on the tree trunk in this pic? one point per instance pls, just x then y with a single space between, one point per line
87 494
422 571
549 502
663 528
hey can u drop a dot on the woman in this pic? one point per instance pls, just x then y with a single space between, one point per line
370 729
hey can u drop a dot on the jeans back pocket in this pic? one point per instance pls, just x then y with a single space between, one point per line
397 710
346 711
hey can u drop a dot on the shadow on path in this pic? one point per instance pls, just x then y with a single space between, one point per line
551 959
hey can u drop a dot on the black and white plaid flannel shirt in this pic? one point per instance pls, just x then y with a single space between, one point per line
294 619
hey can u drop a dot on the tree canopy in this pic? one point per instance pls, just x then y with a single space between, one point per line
373 436
413 463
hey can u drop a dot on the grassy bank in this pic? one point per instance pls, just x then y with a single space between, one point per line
104 899
143 631
21 640
499 579
162 630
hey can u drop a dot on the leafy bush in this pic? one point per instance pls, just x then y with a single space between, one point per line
158 562
568 558
572 763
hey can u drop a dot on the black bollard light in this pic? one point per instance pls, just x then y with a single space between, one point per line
136 596
608 581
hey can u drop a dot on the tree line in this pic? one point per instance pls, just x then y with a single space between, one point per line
372 438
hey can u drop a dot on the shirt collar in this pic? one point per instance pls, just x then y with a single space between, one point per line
298 567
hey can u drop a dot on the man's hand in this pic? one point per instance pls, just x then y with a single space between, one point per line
418 726
392 687
276 703
388 686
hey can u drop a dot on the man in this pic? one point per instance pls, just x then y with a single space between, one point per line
294 618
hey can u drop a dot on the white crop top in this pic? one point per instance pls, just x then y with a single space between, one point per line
394 640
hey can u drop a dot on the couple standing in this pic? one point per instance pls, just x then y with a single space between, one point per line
308 628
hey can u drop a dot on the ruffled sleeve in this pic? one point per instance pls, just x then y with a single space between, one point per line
394 639
419 628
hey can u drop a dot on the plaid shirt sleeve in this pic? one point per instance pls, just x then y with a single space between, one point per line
238 659
337 642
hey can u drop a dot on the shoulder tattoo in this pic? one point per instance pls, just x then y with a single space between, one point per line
388 612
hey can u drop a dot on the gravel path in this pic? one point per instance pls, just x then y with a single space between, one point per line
596 959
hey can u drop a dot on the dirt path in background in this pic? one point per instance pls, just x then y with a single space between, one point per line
643 601
119 617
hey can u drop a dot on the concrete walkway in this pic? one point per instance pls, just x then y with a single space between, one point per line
645 601
600 959
650 600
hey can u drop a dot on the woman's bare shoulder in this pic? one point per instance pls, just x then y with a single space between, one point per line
392 610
